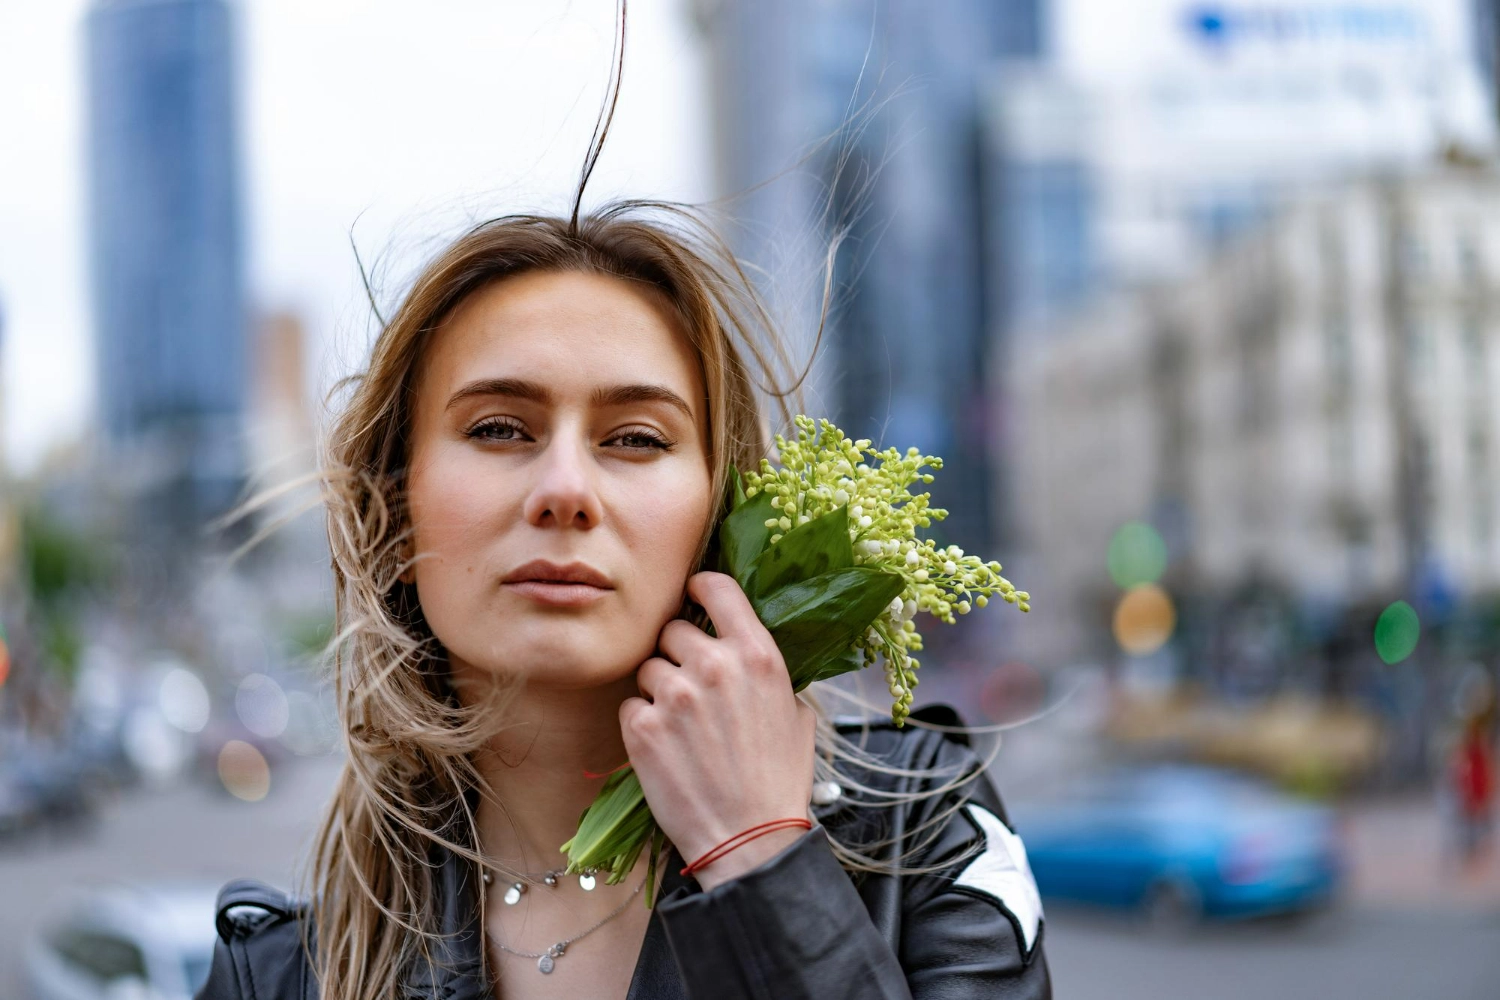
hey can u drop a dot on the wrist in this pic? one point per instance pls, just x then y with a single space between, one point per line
747 857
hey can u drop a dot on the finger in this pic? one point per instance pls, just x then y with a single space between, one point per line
630 711
653 673
722 597
680 640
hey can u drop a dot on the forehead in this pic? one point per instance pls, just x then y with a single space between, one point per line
569 328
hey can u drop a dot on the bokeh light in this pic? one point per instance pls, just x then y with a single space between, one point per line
1144 619
244 771
184 700
4 657
1137 555
1396 632
262 706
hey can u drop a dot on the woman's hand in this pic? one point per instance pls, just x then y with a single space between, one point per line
722 744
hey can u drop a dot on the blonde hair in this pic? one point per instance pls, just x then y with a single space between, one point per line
405 787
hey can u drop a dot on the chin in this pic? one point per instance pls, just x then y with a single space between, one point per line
565 655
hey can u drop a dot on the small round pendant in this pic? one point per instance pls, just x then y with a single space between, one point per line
551 879
544 963
513 894
586 882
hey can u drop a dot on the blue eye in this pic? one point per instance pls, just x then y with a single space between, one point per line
503 429
650 440
486 430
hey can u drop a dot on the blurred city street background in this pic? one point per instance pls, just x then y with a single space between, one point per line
1199 301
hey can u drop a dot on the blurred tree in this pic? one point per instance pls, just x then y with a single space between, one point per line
61 569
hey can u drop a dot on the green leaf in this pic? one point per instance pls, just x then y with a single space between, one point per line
820 546
815 620
658 838
737 485
845 662
616 820
744 535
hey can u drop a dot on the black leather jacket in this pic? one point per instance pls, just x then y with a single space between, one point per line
799 927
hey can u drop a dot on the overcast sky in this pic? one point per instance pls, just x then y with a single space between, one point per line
406 116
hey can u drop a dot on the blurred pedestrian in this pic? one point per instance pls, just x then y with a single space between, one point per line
1471 778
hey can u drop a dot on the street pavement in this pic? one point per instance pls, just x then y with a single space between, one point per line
1408 929
186 831
1358 954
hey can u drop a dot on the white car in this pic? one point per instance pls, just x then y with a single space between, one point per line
126 943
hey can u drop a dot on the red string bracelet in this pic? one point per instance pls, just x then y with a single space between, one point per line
748 835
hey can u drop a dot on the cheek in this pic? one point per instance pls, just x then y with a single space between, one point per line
663 536
452 509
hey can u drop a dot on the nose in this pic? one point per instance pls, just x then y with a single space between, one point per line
564 492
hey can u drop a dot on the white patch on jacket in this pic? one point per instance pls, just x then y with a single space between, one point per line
1001 870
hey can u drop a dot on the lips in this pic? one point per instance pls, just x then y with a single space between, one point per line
569 586
543 571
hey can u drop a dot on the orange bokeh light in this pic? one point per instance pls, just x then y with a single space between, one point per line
1144 619
244 771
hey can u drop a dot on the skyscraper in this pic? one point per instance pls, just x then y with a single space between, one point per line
166 247
902 360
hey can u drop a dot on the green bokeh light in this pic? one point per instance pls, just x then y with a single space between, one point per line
1136 555
1396 632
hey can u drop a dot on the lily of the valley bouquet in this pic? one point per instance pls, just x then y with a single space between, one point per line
826 549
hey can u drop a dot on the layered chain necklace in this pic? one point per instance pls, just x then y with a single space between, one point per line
586 881
546 960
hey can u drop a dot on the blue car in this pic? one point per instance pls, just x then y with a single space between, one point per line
1181 843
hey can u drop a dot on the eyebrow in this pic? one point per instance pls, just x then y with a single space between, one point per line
614 395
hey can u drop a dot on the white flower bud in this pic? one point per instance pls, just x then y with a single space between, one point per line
865 521
950 568
840 497
908 609
912 558
856 511
897 606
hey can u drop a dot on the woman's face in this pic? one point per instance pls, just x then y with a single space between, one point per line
558 418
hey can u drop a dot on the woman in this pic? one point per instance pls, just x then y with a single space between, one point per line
525 485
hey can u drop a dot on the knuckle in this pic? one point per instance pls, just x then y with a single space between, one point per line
645 725
719 656
762 657
713 668
674 627
677 694
630 714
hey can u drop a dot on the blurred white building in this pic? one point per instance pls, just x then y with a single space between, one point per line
1317 409
1154 130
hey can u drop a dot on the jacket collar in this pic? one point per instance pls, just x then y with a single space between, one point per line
457 972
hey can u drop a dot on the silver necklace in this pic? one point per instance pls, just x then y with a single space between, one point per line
586 881
545 959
